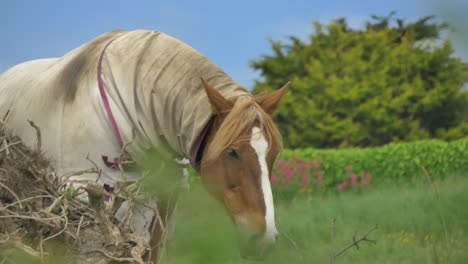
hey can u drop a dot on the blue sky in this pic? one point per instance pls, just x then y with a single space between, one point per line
230 33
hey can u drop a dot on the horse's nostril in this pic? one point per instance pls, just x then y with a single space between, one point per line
276 236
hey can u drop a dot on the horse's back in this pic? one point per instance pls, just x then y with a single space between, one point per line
53 78
24 96
152 81
19 78
50 92
20 87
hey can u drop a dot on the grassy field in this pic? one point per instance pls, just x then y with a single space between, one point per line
415 225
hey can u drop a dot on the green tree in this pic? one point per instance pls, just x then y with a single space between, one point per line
391 81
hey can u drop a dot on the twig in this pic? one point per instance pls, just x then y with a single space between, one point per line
64 215
294 244
435 257
38 135
96 199
5 117
160 242
79 228
428 177
27 199
165 235
52 206
9 145
109 256
122 153
96 167
30 217
126 220
138 250
3 241
77 173
12 193
332 230
356 242
436 190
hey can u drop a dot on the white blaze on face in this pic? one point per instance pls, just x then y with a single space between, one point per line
260 145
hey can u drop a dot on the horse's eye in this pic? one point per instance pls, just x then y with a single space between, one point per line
233 154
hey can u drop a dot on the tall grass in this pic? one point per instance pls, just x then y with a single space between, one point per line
415 226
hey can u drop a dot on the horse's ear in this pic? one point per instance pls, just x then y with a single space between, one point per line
270 101
218 102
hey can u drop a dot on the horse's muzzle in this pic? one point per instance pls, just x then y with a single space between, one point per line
256 247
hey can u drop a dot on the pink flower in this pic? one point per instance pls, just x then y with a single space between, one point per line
305 181
301 162
342 186
354 180
317 161
280 164
293 161
300 169
319 177
365 178
274 179
288 175
352 176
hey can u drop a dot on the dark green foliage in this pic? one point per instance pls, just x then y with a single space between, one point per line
368 87
397 162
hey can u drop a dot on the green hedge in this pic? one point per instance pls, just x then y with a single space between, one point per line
393 162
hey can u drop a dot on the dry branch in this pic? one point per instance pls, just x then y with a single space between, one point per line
356 242
332 252
96 200
38 135
38 211
13 194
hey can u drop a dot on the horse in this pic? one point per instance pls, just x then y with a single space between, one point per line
157 92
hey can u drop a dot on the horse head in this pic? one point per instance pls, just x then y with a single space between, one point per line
240 149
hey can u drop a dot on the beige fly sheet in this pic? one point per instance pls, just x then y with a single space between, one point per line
152 83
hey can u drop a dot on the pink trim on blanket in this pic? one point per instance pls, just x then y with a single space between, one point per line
115 163
105 101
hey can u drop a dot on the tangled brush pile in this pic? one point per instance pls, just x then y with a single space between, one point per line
42 218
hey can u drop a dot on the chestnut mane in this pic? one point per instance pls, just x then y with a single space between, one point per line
237 125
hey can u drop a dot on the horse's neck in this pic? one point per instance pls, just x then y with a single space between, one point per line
163 95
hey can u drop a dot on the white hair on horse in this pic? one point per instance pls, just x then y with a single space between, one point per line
142 87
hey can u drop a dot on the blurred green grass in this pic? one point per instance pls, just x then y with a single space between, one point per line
415 226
